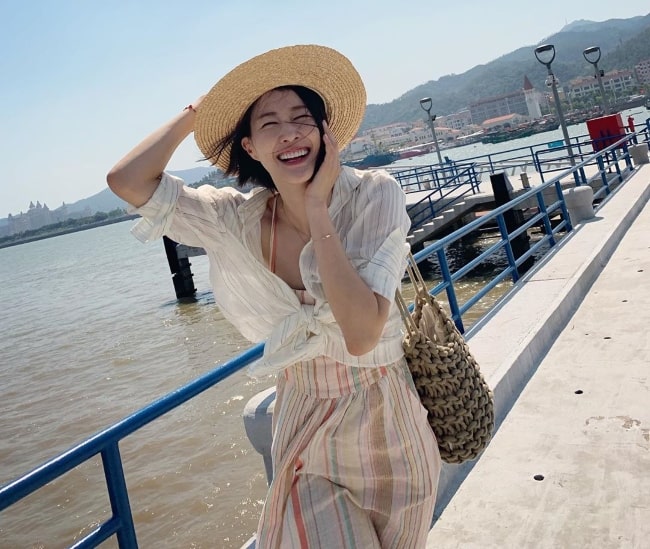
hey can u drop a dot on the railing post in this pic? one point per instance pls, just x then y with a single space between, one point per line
616 167
451 292
626 156
474 179
603 172
548 229
119 496
180 268
508 243
565 210
513 219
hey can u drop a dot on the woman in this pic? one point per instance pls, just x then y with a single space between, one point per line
308 262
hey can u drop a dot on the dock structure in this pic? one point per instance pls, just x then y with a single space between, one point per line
459 208
568 465
463 210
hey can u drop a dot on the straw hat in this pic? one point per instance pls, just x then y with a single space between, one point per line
319 68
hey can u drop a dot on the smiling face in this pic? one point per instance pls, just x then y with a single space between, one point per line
284 137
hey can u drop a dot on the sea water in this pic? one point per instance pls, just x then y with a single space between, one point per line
91 332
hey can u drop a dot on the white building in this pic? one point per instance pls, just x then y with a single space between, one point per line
532 99
457 120
616 82
642 71
504 122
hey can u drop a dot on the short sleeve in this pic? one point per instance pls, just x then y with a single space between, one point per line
157 212
190 216
376 242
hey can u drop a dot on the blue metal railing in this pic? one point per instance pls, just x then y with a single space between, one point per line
555 153
106 442
444 187
436 176
545 212
545 159
606 159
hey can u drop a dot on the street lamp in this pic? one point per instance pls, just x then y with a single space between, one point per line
426 103
545 55
592 55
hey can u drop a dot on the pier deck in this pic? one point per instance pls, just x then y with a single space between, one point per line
464 210
569 464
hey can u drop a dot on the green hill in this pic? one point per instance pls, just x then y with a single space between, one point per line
623 42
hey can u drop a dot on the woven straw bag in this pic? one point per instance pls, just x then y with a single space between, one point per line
446 376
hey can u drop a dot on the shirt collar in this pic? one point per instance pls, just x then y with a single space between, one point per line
349 179
254 206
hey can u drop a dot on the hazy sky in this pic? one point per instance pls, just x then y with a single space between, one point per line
83 81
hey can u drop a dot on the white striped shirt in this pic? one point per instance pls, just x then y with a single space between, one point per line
369 213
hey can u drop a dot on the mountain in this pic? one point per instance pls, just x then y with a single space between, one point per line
623 43
106 200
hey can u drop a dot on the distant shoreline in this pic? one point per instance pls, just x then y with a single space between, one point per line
68 230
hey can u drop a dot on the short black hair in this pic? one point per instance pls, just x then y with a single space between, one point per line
246 168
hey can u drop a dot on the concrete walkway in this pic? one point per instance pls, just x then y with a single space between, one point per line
570 463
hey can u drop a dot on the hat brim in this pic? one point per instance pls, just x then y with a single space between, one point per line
322 69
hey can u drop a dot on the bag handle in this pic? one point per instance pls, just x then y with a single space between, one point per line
421 293
439 325
409 323
416 278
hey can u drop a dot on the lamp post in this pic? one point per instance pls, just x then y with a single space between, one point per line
592 55
545 54
426 103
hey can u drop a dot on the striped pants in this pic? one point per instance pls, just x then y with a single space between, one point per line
355 462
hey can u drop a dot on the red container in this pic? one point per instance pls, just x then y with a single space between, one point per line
605 130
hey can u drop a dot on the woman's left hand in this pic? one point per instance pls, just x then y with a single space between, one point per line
319 190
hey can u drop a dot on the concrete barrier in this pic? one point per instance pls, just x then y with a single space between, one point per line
639 153
258 417
579 203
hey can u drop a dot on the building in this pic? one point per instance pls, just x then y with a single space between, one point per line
525 101
616 83
532 98
457 120
504 122
38 215
642 72
34 218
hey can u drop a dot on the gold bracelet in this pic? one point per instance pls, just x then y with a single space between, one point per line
328 235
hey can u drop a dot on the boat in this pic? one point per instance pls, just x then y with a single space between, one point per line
506 135
410 153
523 130
373 160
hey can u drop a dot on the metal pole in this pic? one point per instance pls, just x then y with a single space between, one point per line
602 90
426 104
592 56
560 115
435 138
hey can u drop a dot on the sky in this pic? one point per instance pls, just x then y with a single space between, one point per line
82 82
